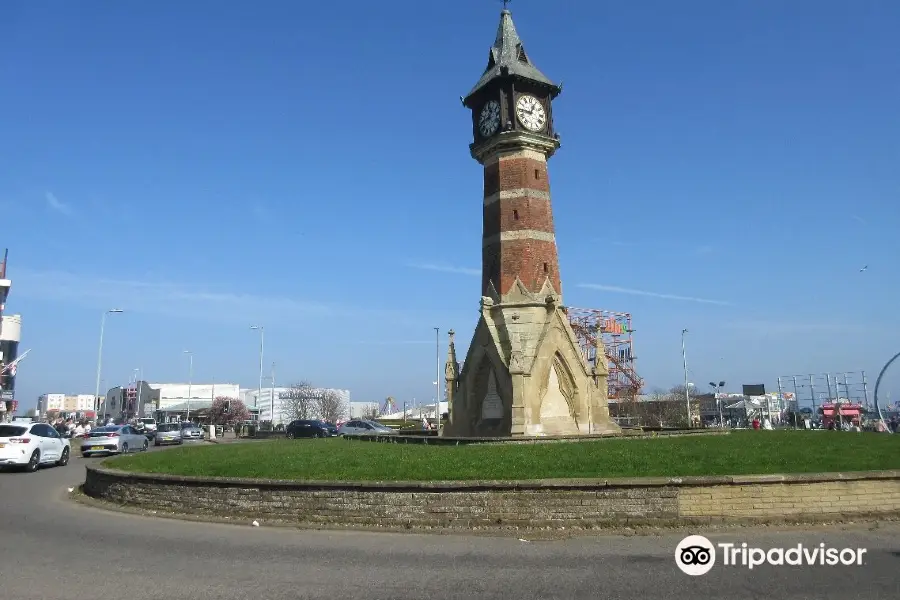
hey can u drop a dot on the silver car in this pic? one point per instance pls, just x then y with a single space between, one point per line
168 433
365 427
190 431
113 439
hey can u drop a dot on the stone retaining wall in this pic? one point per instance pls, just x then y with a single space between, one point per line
490 504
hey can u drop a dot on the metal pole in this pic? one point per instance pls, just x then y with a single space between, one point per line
140 409
100 363
262 340
865 385
437 378
834 402
812 394
719 402
796 397
847 389
190 383
100 356
781 397
687 393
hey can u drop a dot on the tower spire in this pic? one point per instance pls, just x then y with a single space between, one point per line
507 58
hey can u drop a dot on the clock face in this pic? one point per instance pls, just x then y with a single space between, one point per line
490 118
531 113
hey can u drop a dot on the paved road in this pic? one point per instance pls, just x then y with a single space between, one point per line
51 548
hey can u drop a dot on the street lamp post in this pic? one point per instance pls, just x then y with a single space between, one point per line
687 391
100 355
139 376
262 340
437 378
718 387
272 399
190 383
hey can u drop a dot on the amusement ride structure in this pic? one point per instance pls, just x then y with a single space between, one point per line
613 330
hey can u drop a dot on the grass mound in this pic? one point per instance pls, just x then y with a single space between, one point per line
740 453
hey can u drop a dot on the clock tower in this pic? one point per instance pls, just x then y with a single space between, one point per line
524 373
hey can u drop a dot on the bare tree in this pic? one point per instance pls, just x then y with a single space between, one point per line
371 412
300 402
330 406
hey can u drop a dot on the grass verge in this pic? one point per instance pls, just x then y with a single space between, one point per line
740 453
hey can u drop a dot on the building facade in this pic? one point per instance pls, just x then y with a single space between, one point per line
175 394
136 400
274 404
10 336
74 405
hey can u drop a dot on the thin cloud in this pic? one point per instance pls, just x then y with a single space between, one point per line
445 268
858 218
621 290
57 205
174 299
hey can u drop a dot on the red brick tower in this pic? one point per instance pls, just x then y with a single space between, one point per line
512 116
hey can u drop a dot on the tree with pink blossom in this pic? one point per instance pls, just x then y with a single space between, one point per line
228 411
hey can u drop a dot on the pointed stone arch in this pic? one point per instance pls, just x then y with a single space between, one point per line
485 379
558 400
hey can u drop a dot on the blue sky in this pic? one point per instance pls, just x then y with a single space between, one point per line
727 167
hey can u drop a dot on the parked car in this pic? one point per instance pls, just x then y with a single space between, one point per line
114 439
31 445
190 431
168 433
365 427
310 429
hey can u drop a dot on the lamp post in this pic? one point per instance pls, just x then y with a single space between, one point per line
687 392
437 378
139 377
272 399
718 387
100 355
190 383
262 340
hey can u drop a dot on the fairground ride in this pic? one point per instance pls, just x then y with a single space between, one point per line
389 406
613 329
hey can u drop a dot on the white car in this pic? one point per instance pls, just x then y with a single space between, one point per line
114 439
31 445
148 423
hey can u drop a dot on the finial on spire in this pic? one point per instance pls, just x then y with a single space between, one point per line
506 4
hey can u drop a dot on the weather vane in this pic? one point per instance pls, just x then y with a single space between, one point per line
506 4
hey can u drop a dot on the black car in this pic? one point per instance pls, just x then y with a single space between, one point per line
310 429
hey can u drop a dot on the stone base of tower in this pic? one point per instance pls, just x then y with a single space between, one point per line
524 374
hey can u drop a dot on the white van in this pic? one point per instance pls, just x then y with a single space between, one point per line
149 424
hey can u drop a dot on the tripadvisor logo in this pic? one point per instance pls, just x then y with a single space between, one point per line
696 555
